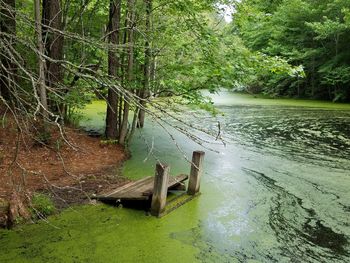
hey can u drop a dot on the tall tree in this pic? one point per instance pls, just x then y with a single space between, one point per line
53 41
147 65
113 63
8 29
41 61
130 19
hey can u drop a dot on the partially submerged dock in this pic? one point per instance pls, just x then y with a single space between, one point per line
155 189
141 190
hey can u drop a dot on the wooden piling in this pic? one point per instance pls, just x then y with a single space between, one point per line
160 189
196 172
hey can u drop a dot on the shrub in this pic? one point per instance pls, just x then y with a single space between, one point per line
42 205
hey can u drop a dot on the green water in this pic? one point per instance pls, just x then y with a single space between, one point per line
277 192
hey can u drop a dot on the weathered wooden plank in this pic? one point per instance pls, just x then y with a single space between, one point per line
173 182
129 192
139 190
134 187
126 186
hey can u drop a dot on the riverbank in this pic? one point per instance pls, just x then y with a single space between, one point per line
225 97
67 170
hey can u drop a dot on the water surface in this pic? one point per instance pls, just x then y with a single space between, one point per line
277 192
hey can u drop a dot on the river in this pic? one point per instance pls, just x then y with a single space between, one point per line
277 191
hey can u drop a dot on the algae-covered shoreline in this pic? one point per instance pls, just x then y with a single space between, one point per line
98 233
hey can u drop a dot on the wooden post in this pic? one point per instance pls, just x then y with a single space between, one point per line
196 172
160 189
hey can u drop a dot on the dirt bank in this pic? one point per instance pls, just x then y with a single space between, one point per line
69 168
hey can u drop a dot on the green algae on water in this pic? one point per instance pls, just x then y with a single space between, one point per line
97 234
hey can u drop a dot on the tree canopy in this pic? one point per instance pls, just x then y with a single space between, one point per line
311 33
58 54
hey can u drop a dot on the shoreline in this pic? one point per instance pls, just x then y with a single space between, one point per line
66 175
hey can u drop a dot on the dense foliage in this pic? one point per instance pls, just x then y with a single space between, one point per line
311 33
57 54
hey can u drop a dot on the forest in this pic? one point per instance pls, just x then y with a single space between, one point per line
99 96
310 33
56 55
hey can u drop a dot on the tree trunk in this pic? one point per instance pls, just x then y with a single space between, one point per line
313 70
8 69
112 99
41 61
122 72
53 46
153 72
53 41
130 18
133 125
120 112
147 66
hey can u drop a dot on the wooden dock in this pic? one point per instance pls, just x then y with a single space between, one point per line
155 189
139 190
